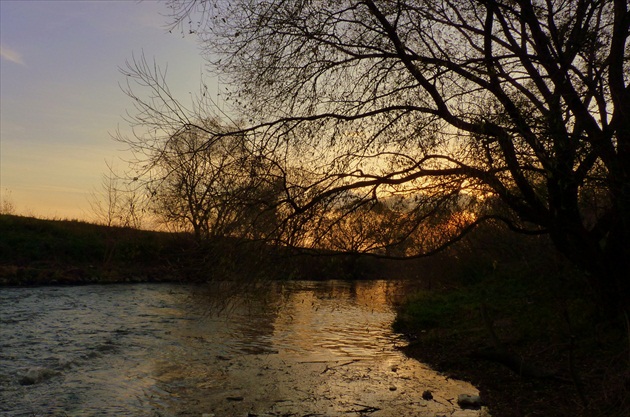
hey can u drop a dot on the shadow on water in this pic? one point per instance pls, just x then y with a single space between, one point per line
271 349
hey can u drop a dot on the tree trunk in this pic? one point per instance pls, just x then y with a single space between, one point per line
605 262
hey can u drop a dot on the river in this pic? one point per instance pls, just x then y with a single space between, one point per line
294 349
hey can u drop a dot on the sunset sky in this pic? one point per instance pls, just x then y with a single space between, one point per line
60 95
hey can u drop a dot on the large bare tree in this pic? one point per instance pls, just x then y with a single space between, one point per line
442 103
196 183
197 172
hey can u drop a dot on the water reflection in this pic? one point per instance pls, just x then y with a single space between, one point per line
318 348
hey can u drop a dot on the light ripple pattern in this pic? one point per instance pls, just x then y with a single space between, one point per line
321 348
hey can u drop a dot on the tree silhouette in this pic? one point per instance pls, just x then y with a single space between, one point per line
521 103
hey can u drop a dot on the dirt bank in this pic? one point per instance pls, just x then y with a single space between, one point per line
573 382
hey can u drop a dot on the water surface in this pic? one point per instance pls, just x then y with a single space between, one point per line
304 348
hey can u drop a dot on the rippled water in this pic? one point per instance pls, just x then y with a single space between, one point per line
308 348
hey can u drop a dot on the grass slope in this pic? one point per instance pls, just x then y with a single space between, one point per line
43 252
35 251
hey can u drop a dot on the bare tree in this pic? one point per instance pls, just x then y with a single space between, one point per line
118 202
521 99
6 203
206 184
198 174
375 227
524 102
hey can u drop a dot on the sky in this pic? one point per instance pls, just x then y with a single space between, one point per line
60 94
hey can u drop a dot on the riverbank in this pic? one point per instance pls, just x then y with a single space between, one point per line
498 313
67 252
532 347
57 252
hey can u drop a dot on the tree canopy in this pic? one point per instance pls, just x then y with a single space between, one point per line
518 107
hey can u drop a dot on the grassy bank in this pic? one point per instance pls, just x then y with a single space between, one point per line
35 252
43 252
526 333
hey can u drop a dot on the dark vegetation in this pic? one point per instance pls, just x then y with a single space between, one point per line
44 252
41 252
517 320
342 105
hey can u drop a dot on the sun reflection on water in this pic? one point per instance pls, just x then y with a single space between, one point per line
322 348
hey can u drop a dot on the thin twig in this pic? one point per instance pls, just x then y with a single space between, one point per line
328 368
365 409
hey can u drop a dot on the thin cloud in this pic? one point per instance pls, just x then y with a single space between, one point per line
11 55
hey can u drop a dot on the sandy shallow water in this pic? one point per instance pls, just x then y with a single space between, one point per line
298 349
